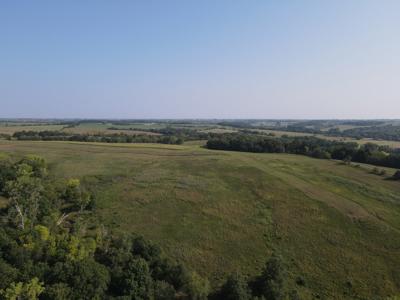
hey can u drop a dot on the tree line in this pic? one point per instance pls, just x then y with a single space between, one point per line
168 135
311 146
51 248
49 135
187 134
386 132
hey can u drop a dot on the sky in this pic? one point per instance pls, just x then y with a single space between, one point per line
200 59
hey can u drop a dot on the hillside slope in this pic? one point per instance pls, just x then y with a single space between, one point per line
336 226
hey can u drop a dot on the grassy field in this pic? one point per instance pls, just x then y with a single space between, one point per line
336 226
104 129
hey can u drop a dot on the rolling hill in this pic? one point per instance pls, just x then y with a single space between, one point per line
336 226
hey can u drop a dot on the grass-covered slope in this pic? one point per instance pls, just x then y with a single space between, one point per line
336 226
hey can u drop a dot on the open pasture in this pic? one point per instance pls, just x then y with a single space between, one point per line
336 226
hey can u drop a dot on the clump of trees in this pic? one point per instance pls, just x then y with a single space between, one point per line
5 136
270 284
311 146
379 172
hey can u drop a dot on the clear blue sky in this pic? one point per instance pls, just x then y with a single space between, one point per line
200 59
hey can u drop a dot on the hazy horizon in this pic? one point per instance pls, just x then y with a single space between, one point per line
192 119
200 60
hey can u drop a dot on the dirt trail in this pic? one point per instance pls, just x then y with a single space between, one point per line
313 191
342 204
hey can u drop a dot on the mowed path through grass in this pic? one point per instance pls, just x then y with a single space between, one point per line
336 226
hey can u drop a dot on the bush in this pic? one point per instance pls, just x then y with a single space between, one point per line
235 288
379 172
270 283
163 291
396 175
196 287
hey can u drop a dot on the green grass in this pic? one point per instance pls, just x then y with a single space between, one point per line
337 226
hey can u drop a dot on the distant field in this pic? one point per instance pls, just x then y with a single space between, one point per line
93 128
162 125
393 144
342 127
84 128
337 226
104 127
220 130
10 129
143 128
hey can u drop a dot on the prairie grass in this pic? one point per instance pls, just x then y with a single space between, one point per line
337 226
